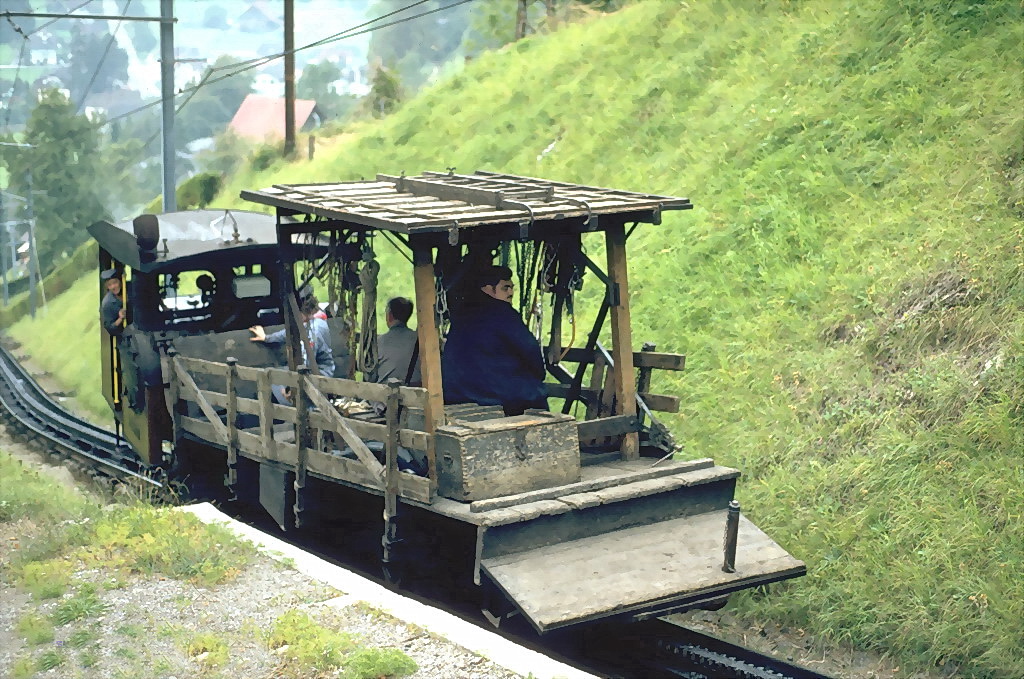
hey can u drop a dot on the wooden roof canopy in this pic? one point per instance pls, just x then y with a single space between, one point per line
438 209
484 204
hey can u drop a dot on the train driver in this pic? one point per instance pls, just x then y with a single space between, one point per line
112 307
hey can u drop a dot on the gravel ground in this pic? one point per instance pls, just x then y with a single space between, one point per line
148 622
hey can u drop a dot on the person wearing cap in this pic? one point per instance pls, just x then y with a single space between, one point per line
490 356
112 307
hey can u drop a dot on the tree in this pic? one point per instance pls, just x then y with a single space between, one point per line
93 62
143 37
385 92
418 48
61 171
316 83
210 109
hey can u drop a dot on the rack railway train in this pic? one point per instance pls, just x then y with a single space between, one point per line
563 517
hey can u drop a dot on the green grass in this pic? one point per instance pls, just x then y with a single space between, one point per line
74 352
302 641
35 629
24 493
85 604
846 289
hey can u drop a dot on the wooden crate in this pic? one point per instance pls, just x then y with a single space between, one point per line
482 459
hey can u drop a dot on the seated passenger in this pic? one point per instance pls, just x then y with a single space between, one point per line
397 355
490 356
319 341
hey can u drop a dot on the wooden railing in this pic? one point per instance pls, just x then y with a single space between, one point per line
602 420
312 415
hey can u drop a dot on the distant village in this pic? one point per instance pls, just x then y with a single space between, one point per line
203 32
244 30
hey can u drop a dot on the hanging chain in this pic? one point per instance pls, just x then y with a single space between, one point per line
442 315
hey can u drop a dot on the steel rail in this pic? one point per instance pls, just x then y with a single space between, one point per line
626 649
35 410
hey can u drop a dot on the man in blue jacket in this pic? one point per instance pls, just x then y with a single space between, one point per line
490 356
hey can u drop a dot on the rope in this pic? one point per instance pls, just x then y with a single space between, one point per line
367 356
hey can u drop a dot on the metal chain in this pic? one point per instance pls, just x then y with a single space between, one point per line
441 312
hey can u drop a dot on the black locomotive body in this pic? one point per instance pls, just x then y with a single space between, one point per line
562 518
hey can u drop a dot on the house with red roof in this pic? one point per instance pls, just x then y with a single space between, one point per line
261 118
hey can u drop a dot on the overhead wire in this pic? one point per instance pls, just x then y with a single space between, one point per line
259 61
69 15
103 58
17 74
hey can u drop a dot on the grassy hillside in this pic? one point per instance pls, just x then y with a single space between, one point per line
847 289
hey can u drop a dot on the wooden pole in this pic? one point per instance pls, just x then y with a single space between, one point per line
289 78
622 336
430 349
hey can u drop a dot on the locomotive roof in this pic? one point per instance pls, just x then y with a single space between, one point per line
195 235
438 201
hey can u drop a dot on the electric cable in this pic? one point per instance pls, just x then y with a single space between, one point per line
17 75
70 15
103 58
269 58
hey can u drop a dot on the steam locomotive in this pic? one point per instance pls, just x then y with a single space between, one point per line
562 516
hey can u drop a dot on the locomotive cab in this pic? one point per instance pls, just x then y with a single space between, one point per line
184 274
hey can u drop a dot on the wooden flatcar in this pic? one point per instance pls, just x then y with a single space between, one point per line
564 516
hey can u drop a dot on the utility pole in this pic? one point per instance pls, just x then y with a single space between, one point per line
167 102
30 217
521 8
32 251
166 20
289 78
3 245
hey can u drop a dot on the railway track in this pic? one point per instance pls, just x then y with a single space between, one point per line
652 648
35 412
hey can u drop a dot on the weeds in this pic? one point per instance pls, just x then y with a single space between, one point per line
208 649
35 629
299 639
47 579
84 604
370 663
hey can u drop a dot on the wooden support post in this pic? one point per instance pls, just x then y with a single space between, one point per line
596 380
302 438
266 399
289 307
430 350
173 395
391 472
643 377
232 417
622 336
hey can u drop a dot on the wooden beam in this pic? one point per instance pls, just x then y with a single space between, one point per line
662 403
232 417
608 426
266 401
622 336
430 348
641 359
192 393
368 459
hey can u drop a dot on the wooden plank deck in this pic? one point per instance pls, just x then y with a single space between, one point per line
636 568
